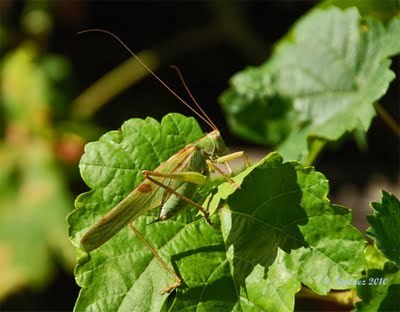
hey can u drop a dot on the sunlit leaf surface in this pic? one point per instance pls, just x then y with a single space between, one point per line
269 236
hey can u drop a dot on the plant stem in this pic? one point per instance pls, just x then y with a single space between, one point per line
111 84
130 72
345 298
387 118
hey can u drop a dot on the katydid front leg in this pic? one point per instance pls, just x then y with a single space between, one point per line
224 160
232 156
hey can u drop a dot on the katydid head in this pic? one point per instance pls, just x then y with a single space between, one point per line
212 144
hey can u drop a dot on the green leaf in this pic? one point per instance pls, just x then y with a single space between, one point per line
284 206
379 290
374 258
33 206
383 10
385 225
269 235
320 82
392 47
261 119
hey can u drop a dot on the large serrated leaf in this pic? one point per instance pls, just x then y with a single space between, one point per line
279 227
269 236
320 82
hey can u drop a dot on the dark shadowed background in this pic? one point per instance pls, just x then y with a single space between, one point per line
209 41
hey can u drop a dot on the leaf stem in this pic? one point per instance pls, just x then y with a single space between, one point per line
382 113
315 150
346 298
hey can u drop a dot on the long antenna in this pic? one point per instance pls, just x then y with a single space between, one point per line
150 71
191 96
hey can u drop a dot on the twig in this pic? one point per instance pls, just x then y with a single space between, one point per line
111 84
387 118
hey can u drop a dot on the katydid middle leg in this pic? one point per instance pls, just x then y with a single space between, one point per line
191 177
214 168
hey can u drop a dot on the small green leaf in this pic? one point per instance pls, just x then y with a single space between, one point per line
374 258
385 225
379 290
320 82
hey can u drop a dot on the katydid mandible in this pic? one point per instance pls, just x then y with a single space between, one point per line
169 186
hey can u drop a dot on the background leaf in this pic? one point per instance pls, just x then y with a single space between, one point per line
34 199
383 10
314 88
255 259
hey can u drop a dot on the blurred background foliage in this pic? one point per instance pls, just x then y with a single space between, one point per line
60 90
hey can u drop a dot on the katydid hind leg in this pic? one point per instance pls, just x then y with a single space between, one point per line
177 279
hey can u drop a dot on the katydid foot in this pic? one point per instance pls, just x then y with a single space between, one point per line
170 288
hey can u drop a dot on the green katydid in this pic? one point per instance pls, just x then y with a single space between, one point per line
169 186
